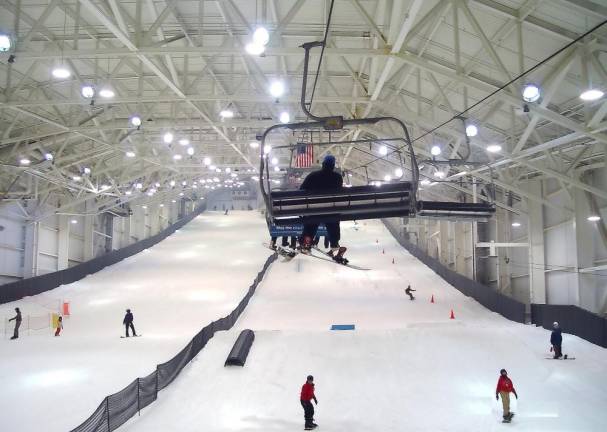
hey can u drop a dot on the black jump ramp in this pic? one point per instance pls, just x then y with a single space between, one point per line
240 350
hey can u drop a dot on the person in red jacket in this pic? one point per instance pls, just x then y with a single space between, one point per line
503 389
307 395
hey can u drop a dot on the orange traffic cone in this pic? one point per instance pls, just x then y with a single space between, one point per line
452 315
432 299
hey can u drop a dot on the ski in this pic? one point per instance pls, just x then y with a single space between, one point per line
327 257
124 337
564 358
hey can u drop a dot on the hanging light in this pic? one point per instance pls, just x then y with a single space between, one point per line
494 148
128 192
254 144
435 150
130 154
254 48
5 43
138 186
184 142
177 157
267 149
398 172
531 93
24 161
591 95
190 151
387 178
285 117
73 221
261 36
383 150
471 130
277 89
594 218
277 169
172 183
226 113
516 224
274 161
206 161
61 72
48 156
87 91
167 137
76 178
106 93
136 120
86 170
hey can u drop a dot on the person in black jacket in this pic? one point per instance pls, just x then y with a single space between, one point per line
322 180
128 323
17 318
408 292
556 339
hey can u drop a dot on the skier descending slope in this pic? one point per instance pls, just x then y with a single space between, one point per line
322 180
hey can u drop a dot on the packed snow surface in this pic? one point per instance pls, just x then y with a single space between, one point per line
175 288
406 367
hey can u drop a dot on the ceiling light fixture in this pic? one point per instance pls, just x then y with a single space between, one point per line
226 113
383 150
285 117
254 144
531 93
190 151
206 161
471 130
435 150
130 154
516 224
184 142
591 95
167 138
594 218
61 72
177 157
106 93
87 91
398 172
261 36
277 89
254 48
24 161
5 43
136 120
494 148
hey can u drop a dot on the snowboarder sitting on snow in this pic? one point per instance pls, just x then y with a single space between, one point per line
128 323
17 318
503 389
556 339
59 326
408 292
307 395
318 181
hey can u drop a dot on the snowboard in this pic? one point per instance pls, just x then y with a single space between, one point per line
327 257
509 419
124 337
563 358
282 251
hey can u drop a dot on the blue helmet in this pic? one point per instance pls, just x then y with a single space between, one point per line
328 161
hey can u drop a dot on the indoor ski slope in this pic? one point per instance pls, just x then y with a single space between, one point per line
406 367
195 276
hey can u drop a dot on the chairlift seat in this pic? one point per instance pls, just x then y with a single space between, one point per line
454 210
353 203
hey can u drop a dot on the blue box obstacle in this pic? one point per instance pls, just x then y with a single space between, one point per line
240 350
342 327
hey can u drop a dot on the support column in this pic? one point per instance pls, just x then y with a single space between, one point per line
30 249
89 236
63 242
584 291
537 277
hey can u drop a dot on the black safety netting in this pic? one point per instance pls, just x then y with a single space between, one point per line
116 409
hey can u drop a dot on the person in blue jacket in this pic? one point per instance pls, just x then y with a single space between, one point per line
556 339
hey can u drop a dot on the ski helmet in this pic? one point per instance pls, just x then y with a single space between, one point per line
555 324
310 378
328 161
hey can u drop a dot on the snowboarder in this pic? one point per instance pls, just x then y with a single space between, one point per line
59 326
503 389
273 242
318 181
292 244
17 318
227 211
556 339
408 292
307 395
128 323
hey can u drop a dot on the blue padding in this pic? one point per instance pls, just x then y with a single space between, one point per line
293 230
342 327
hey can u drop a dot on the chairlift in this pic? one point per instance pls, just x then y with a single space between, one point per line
392 199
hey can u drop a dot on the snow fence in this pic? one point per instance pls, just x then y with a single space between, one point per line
117 408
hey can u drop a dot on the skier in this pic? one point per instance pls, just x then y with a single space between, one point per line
318 181
556 339
307 395
59 326
128 323
408 292
503 389
17 318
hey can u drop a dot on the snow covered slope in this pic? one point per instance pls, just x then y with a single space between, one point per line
406 367
174 289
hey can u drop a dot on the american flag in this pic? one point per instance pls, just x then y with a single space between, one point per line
304 156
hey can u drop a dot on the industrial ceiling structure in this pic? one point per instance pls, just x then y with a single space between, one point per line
112 102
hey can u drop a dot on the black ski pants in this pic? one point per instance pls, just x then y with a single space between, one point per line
333 232
285 241
558 353
308 412
132 327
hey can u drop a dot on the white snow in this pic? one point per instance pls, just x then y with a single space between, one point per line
195 276
406 367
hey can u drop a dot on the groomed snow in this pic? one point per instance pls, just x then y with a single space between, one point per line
406 367
195 276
